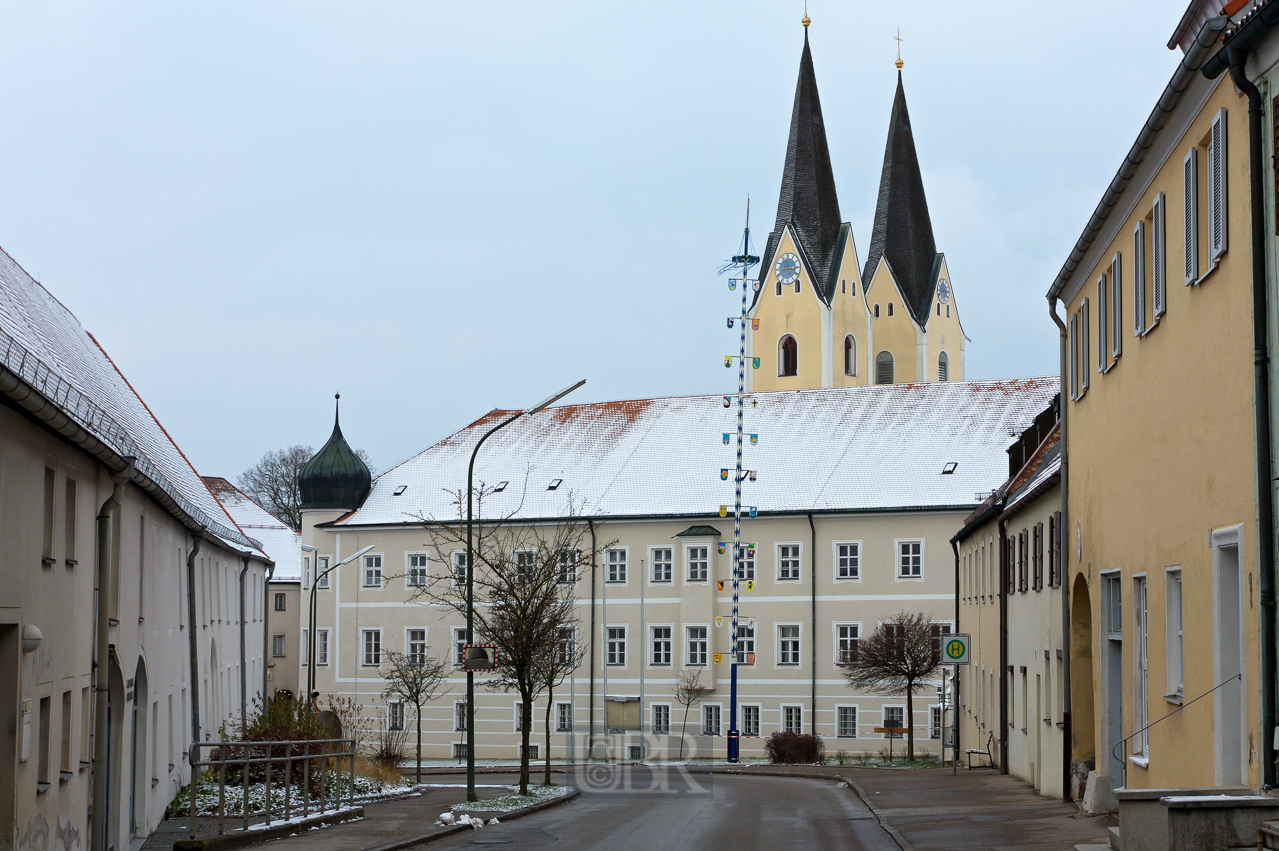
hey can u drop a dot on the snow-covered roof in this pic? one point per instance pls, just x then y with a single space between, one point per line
871 448
44 344
281 544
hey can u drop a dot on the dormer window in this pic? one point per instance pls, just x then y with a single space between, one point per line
501 486
949 468
554 485
401 489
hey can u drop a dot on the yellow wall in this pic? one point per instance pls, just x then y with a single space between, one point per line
799 314
897 333
1145 494
849 316
945 334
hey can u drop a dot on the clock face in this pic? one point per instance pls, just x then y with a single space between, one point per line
788 268
943 291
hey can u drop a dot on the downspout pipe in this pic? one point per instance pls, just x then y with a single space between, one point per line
197 539
102 655
954 690
590 711
1067 735
266 625
1005 572
812 642
244 675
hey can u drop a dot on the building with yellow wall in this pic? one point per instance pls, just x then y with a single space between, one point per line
819 317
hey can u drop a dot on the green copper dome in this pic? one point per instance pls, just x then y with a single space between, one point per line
335 477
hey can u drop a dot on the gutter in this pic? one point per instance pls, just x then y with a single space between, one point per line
1236 51
266 626
954 695
244 674
1064 477
1004 683
1181 78
102 657
193 646
590 712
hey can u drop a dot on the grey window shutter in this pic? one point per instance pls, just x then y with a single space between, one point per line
1139 278
1103 341
1217 189
1158 258
1074 357
884 368
1190 186
1083 346
1116 305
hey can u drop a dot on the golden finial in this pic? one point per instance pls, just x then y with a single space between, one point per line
899 62
806 22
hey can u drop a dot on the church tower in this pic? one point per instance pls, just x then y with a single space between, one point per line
820 318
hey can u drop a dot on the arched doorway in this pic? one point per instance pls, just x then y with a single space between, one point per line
1082 726
115 743
787 356
138 752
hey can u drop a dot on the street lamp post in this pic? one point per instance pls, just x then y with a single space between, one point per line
470 579
310 656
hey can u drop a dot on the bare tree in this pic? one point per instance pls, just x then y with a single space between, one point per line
522 601
688 690
563 661
273 482
415 678
899 653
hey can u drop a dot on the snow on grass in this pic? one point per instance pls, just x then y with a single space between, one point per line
337 787
515 801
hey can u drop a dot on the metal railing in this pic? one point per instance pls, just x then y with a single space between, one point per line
313 776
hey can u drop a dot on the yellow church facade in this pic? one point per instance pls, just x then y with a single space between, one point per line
822 318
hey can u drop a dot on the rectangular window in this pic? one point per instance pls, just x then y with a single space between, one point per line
306 646
277 646
661 718
47 547
69 524
792 719
395 715
567 564
322 573
279 601
373 571
1141 691
322 647
894 716
710 719
661 564
746 563
934 716
458 560
847 560
563 717
459 646
616 645
1037 556
371 640
86 713
846 722
416 576
306 572
1022 579
1190 213
788 562
65 763
745 638
459 716
910 559
46 718
846 635
788 644
519 717
696 645
617 566
1218 172
1172 621
566 648
525 562
415 646
661 645
1052 550
697 561
750 721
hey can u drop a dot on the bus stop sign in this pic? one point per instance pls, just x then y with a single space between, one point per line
954 648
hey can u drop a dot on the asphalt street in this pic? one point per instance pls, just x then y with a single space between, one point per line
646 808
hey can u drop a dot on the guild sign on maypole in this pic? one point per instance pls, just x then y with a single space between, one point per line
744 262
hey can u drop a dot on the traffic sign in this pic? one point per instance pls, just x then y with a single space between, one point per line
954 648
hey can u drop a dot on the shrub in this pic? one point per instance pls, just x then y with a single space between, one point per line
388 746
795 748
842 757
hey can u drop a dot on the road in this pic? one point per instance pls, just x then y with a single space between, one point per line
646 809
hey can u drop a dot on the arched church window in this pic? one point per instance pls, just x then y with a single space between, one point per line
787 356
877 311
850 355
890 308
778 291
843 285
943 367
884 368
948 311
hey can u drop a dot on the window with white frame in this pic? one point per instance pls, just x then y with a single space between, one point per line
750 721
846 637
846 722
934 717
306 646
661 646
519 717
459 715
533 751
616 560
847 560
371 642
894 716
1140 685
373 571
277 646
1172 621
788 562
697 562
792 718
746 562
322 647
568 566
788 644
661 564
563 717
415 646
910 559
745 637
416 575
394 715
459 646
566 648
525 561
322 573
458 559
710 719
306 572
1218 174
661 718
696 645
279 601
616 650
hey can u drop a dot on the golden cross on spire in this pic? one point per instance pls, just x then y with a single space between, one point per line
899 62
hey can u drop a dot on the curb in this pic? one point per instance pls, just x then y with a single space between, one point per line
422 839
243 838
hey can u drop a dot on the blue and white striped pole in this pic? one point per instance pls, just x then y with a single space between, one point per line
733 735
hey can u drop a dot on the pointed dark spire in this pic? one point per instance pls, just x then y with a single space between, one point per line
808 197
335 477
903 232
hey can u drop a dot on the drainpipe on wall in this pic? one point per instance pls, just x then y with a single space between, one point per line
1067 734
812 643
197 538
954 686
590 711
244 675
1261 415
266 625
102 658
1004 573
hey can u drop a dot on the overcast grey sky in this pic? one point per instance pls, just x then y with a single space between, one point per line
437 209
